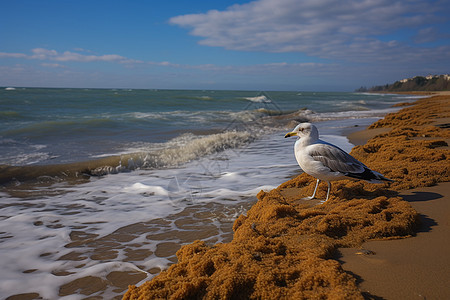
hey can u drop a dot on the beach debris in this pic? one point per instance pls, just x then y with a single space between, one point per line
363 251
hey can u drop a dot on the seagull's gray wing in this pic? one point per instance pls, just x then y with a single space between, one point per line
336 159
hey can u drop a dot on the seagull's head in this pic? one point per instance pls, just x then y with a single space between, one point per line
304 130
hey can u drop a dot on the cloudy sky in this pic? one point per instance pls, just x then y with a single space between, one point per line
309 45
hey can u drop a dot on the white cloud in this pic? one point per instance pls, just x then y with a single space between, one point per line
41 53
428 35
72 56
12 55
68 56
323 28
46 54
50 65
82 50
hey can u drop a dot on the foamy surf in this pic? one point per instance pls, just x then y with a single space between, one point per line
77 241
129 222
259 99
173 154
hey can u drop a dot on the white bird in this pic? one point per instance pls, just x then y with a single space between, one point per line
326 161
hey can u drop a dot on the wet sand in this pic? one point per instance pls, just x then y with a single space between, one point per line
415 268
287 248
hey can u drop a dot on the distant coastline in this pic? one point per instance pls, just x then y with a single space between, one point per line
430 83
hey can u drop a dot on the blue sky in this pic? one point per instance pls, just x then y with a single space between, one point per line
315 45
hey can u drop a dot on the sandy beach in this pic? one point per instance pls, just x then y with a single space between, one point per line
412 268
368 241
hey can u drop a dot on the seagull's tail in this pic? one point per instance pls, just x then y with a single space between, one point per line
369 175
379 178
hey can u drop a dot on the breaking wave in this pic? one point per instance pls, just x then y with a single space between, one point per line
176 152
259 99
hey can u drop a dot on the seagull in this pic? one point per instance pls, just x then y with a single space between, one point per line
327 162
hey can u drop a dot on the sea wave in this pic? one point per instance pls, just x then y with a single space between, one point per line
259 99
63 127
10 114
307 115
269 112
175 153
351 114
202 97
188 149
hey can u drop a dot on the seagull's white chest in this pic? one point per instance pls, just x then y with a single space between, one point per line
311 166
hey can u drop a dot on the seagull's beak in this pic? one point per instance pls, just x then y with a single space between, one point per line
289 134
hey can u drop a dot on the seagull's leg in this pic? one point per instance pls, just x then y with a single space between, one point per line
328 193
329 189
314 193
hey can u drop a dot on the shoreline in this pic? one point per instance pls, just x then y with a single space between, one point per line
301 239
411 268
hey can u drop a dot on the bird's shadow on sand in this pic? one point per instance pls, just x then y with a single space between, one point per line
427 223
421 196
415 196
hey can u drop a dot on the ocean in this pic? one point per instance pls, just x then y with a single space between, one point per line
100 187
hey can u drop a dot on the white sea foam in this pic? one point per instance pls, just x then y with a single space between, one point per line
395 96
42 230
353 114
39 230
259 99
180 150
